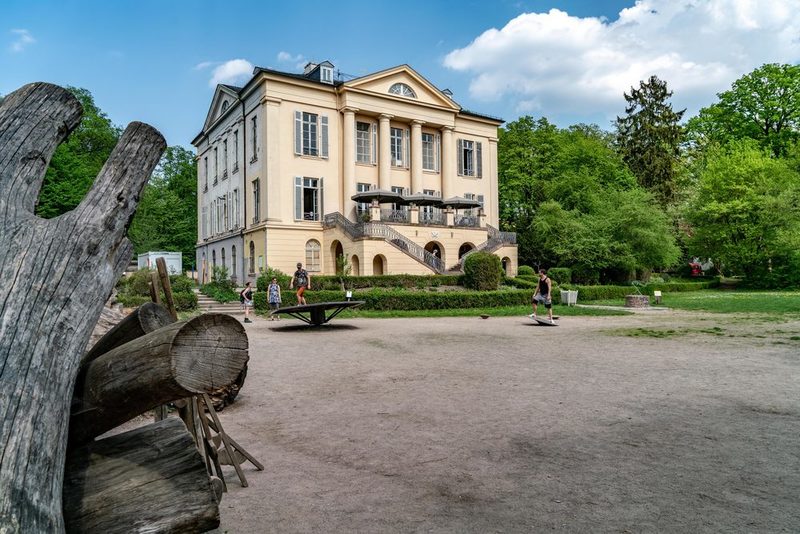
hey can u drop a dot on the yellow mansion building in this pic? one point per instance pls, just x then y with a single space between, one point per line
281 159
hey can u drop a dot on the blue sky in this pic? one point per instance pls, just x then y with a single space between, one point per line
567 60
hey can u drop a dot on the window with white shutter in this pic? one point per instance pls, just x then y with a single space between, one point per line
324 136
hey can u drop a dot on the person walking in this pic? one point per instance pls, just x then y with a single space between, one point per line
274 298
302 281
246 296
543 296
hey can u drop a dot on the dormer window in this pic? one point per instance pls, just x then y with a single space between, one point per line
325 74
402 90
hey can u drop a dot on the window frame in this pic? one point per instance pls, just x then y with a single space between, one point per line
313 256
301 211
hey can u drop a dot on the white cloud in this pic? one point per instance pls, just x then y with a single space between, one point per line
557 64
232 71
299 60
204 65
22 39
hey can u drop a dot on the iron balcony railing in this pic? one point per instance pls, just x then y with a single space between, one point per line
468 221
387 233
395 216
436 217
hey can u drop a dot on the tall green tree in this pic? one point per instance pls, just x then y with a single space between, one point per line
78 160
763 105
573 202
167 215
649 136
745 214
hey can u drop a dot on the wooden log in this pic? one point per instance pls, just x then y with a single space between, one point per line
161 265
637 301
147 318
55 275
151 479
180 360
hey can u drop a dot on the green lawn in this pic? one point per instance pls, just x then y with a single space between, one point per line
721 301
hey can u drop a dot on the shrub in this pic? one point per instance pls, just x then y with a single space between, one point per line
618 292
521 283
219 277
398 299
482 271
220 292
263 281
526 270
561 275
134 290
326 282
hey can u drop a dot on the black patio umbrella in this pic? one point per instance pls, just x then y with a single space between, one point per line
461 203
381 195
421 199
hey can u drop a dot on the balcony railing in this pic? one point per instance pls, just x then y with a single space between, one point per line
435 217
394 216
468 221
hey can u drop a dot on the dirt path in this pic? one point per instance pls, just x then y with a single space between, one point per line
470 425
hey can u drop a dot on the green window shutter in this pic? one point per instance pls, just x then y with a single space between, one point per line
460 156
321 201
324 135
298 198
298 132
479 161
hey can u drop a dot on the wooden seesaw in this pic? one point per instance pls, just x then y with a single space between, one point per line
315 314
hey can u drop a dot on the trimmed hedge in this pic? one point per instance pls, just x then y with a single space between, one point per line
526 270
483 271
561 275
521 283
381 299
618 292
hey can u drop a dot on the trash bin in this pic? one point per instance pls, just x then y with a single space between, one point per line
569 297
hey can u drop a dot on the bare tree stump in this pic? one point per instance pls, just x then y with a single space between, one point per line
151 479
180 360
55 276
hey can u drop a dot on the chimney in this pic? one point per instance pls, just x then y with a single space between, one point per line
309 67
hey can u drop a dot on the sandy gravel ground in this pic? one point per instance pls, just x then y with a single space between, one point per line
470 425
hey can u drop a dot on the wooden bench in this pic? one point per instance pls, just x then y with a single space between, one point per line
315 314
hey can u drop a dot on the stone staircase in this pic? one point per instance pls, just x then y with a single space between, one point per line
208 305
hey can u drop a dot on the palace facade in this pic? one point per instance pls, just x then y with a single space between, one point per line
280 159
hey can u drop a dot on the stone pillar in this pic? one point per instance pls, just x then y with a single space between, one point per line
449 217
413 213
416 156
481 218
448 162
349 163
494 200
385 153
375 211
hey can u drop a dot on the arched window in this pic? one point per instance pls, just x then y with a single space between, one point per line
222 258
252 257
312 255
402 90
213 258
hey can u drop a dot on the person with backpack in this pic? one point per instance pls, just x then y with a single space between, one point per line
246 298
301 280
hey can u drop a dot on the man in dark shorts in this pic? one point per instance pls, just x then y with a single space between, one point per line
542 295
301 280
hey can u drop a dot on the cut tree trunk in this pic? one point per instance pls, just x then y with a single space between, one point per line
151 479
180 360
55 276
147 318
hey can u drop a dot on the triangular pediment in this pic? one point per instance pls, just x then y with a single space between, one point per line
225 96
382 82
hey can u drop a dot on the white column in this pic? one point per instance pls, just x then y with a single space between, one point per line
416 156
349 163
448 162
494 204
385 153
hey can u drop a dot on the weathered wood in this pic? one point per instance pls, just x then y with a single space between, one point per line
147 318
637 301
180 360
161 265
151 479
155 296
55 276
